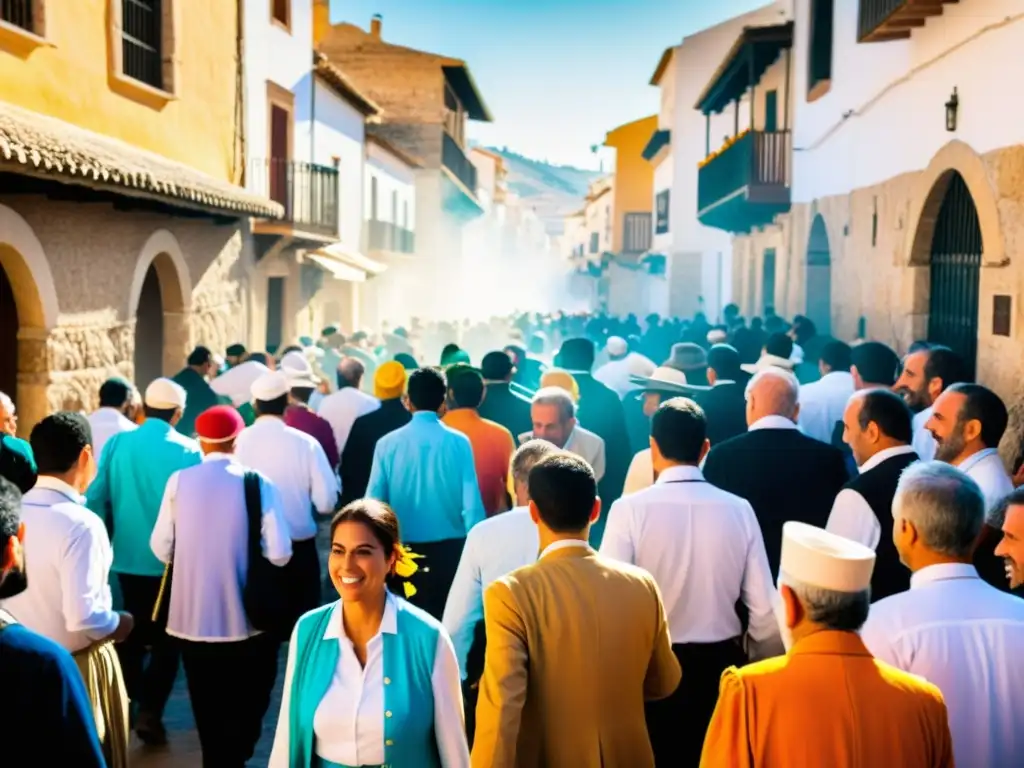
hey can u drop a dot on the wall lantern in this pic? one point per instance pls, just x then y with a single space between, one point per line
952 107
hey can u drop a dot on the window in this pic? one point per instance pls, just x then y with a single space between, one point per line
771 111
595 242
281 12
373 198
141 41
819 55
768 281
275 313
405 214
874 224
394 206
19 13
661 220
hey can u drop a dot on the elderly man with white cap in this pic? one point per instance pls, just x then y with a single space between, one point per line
127 491
298 466
827 701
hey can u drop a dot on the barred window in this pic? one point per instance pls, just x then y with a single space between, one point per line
141 37
18 13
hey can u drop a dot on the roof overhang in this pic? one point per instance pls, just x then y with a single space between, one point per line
343 87
659 139
404 157
339 252
336 269
461 80
43 147
663 62
756 49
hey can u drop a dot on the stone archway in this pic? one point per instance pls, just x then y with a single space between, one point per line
818 287
28 311
158 302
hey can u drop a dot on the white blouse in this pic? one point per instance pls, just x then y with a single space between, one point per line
349 722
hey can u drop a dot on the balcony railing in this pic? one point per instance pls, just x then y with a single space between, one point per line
636 233
308 192
387 236
455 160
18 13
746 183
882 20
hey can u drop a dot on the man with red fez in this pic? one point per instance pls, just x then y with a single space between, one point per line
203 530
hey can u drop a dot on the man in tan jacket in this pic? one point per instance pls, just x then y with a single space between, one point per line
575 643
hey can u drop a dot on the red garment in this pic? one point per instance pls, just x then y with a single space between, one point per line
302 418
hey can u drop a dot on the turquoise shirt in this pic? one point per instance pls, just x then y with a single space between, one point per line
409 738
199 396
129 489
425 472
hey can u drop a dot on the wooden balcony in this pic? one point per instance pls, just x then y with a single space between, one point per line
454 159
747 184
308 192
389 237
883 20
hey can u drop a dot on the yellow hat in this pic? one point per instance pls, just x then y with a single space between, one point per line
389 381
562 380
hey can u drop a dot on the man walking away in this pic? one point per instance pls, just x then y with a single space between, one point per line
502 404
116 397
574 633
203 532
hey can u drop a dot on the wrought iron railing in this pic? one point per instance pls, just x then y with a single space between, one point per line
455 160
757 158
18 13
388 236
636 233
308 192
874 13
141 35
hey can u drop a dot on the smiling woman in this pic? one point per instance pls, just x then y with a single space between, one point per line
371 679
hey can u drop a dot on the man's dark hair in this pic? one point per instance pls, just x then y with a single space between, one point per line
200 356
408 361
679 427
780 345
945 364
987 407
258 357
804 329
563 487
918 346
302 394
837 356
275 407
724 360
10 510
576 354
290 348
114 393
889 411
449 351
496 366
466 386
876 363
58 440
427 389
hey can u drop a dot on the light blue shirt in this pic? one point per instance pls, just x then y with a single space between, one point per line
425 472
128 491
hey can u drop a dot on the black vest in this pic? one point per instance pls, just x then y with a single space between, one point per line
878 487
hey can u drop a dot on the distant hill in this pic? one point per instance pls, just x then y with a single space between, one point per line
554 191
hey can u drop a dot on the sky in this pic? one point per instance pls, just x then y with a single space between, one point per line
556 74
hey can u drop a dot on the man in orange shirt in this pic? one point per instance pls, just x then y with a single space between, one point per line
493 445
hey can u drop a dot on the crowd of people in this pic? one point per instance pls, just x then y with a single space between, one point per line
773 548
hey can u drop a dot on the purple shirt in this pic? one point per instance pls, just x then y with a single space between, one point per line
303 419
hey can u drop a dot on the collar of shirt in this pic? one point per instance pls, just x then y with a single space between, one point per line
772 422
426 416
679 474
942 572
218 456
47 483
838 379
975 459
720 382
276 422
108 413
564 544
463 415
888 453
388 622
158 426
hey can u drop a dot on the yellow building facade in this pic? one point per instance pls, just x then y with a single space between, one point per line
124 238
634 184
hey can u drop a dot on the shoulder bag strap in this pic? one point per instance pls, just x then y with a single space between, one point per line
254 512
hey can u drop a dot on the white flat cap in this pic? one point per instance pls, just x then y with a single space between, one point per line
270 386
295 362
617 346
815 557
164 393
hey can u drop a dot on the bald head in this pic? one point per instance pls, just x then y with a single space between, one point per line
350 373
773 392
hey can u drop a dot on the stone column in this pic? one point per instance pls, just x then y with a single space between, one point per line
33 378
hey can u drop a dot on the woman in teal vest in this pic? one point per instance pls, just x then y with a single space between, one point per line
371 680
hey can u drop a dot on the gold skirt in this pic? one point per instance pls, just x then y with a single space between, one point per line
101 671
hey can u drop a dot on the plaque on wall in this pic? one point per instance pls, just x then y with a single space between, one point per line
1001 315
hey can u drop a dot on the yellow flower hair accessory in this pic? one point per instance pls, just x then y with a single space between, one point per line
405 567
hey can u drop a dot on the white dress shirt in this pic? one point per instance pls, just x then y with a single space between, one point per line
987 470
822 404
342 408
640 474
923 442
348 725
585 444
494 548
68 559
236 382
851 516
297 465
703 546
966 637
772 422
105 423
203 525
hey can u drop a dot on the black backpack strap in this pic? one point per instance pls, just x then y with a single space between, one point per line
254 512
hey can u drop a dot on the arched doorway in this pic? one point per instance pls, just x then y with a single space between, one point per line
819 278
8 337
149 331
955 273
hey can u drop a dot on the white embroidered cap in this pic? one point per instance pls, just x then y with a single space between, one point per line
617 346
270 386
817 558
164 393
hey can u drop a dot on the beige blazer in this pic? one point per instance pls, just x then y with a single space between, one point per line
575 644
